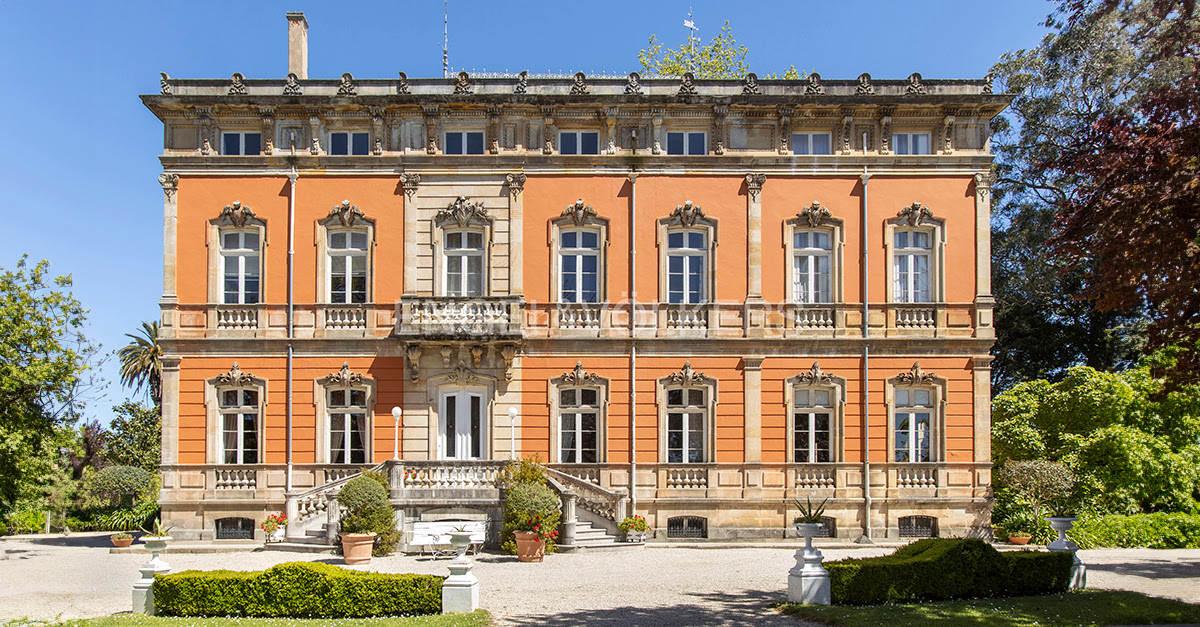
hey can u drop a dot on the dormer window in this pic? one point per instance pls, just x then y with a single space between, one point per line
464 143
241 143
349 143
579 142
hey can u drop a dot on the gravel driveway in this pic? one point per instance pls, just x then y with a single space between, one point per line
76 577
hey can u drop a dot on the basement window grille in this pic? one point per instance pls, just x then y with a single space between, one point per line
235 529
687 527
918 527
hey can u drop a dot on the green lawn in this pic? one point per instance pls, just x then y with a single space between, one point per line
475 619
1085 607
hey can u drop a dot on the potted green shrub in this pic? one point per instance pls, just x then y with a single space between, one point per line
368 515
121 540
1041 482
531 536
635 528
531 511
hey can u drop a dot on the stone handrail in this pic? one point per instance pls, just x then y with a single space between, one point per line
608 504
303 507
486 316
447 475
245 478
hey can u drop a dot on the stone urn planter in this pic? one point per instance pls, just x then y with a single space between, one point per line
356 547
529 547
1062 526
461 541
808 581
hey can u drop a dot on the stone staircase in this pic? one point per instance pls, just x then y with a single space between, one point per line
590 538
313 541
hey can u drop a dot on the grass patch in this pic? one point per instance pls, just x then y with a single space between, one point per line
1083 607
479 618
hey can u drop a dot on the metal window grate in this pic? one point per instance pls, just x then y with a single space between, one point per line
828 527
235 529
918 527
687 527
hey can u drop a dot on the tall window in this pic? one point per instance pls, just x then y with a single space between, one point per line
686 418
686 257
349 143
811 144
239 143
464 143
239 425
347 251
910 143
812 251
689 143
911 259
579 266
579 143
463 252
913 431
347 426
813 418
240 267
579 417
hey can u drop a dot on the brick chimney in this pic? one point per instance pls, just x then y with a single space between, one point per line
297 44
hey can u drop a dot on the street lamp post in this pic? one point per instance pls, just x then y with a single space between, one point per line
396 414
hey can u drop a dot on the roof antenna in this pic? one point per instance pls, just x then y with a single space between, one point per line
690 24
446 40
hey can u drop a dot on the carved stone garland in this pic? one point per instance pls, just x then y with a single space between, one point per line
237 85
688 213
754 185
686 376
235 376
291 86
633 85
463 86
750 88
462 211
579 87
347 87
915 213
516 183
346 213
813 214
578 376
343 377
579 213
815 376
916 376
237 213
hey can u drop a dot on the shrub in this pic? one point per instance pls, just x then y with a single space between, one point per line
1039 482
120 485
938 569
522 471
1155 531
25 521
369 511
529 501
297 590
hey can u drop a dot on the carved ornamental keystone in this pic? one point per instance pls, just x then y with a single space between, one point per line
237 213
462 375
346 213
916 376
686 376
688 213
815 376
813 215
235 376
462 211
915 213
578 376
343 377
579 213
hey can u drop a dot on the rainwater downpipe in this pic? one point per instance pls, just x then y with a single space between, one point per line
292 176
866 368
632 340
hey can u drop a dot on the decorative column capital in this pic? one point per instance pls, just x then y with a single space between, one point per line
410 183
754 185
516 183
170 184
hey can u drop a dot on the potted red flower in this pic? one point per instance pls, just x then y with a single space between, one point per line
275 525
531 536
635 528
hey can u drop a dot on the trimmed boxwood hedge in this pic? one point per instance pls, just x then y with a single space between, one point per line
936 569
297 590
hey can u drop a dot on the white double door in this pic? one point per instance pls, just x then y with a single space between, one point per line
462 425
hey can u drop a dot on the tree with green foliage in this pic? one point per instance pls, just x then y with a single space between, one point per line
141 362
1103 60
43 357
721 58
134 437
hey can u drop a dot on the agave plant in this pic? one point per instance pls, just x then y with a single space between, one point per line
810 515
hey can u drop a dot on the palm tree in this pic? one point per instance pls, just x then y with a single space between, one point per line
141 362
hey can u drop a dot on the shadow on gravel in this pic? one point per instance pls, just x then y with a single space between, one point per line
94 542
747 607
1153 569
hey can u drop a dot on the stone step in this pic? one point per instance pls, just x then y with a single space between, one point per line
299 547
602 546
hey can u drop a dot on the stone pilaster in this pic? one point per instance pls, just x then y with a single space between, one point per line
411 184
170 410
755 314
984 300
981 385
752 390
516 245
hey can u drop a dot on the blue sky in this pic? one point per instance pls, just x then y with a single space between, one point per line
78 177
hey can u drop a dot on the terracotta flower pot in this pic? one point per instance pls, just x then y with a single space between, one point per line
356 547
121 542
529 548
1019 539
